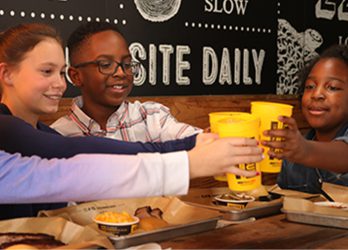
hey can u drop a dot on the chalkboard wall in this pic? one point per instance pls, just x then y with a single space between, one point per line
203 47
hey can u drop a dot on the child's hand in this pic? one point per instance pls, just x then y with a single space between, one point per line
205 138
223 155
292 145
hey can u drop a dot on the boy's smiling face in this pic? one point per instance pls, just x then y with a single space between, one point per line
100 90
325 98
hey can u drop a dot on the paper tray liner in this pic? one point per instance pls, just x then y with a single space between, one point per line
338 192
308 206
71 234
182 218
306 211
203 197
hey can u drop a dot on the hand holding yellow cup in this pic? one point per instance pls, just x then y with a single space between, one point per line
268 112
214 117
241 125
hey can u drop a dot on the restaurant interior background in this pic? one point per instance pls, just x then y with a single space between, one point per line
203 56
204 47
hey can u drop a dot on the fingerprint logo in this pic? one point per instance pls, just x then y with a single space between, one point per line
157 10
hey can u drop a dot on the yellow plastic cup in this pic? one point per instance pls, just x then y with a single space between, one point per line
241 125
214 117
268 112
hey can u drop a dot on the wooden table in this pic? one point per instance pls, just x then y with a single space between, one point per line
273 232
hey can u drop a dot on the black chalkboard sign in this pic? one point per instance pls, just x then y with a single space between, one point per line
203 47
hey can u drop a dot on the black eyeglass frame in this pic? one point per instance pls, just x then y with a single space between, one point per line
134 65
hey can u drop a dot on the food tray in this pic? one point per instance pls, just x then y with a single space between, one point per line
204 198
316 219
164 233
183 218
245 213
257 212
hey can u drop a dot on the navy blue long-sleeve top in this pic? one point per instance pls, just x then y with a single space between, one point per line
17 135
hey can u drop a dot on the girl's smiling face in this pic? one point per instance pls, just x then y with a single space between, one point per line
325 97
37 83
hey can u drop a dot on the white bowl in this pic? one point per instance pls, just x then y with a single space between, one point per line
123 228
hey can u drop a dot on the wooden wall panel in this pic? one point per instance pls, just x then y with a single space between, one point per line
195 109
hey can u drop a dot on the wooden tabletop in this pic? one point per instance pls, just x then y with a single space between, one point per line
273 232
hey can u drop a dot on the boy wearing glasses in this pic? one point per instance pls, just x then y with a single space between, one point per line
103 68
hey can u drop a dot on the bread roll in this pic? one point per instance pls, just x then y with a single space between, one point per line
151 223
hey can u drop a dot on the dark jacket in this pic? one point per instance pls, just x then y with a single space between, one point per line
17 136
305 179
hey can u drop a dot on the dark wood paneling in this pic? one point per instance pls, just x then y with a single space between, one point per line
195 109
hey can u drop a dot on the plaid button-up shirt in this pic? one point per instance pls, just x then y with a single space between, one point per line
145 122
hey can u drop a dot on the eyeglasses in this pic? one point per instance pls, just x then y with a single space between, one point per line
109 67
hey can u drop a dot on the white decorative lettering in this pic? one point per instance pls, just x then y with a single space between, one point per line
327 9
343 40
208 7
209 55
138 52
226 6
225 69
258 64
152 64
342 12
211 69
166 50
241 6
182 65
246 78
237 62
